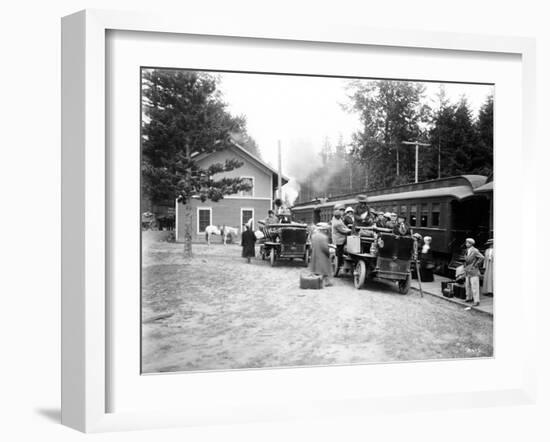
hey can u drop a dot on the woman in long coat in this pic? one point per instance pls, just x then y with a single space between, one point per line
320 255
248 240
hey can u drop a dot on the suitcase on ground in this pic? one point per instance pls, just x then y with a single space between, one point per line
446 289
459 291
311 281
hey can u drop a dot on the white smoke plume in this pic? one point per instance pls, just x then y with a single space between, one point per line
304 165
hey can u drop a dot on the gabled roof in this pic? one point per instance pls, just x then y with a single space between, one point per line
253 158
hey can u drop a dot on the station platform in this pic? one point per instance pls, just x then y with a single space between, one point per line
434 289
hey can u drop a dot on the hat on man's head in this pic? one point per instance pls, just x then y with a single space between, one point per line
387 215
472 241
362 198
349 209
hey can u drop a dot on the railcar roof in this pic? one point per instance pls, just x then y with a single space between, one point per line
485 188
457 192
458 187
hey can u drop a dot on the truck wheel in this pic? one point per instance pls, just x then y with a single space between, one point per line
359 274
404 285
272 257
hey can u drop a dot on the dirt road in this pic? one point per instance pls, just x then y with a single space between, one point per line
217 312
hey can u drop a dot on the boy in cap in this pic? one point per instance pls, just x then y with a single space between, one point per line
472 262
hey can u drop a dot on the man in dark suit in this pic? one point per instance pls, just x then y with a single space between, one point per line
363 216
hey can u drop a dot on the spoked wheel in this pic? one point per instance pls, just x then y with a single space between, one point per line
359 274
335 265
404 285
272 257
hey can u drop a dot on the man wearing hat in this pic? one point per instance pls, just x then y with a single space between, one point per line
362 213
472 263
339 232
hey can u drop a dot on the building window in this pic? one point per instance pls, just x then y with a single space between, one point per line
249 180
436 210
204 219
247 215
412 217
424 215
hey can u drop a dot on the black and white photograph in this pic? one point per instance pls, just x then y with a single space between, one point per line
308 220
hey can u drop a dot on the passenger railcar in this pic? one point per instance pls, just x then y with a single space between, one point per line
447 209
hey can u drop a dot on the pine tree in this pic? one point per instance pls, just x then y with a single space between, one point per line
390 112
184 115
484 158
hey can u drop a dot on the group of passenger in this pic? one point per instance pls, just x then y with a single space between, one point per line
348 220
363 216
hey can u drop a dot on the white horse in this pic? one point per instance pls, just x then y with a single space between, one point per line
227 231
223 231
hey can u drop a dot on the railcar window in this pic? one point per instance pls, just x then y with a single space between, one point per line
403 211
424 215
412 217
436 210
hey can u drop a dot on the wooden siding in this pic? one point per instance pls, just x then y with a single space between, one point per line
225 212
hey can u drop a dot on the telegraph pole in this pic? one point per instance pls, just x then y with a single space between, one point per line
416 144
279 178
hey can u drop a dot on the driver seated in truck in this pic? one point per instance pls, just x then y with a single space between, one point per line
285 217
271 218
363 216
401 228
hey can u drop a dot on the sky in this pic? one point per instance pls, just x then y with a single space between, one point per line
302 111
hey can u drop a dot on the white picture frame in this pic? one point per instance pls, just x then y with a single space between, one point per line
85 214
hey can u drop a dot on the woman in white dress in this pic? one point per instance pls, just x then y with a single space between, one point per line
487 287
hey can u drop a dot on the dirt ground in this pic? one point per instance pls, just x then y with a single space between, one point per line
215 311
